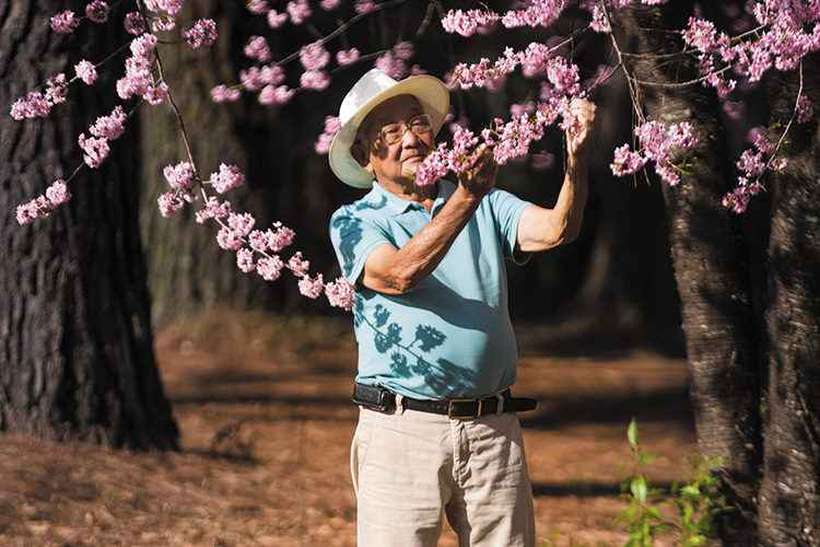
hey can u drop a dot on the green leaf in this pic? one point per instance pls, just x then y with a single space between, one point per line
632 432
690 490
638 488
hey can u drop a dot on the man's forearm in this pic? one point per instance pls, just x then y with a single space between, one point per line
569 208
423 252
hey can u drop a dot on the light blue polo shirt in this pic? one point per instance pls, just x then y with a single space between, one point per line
450 335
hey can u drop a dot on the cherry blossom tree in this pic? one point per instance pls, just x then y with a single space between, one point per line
686 67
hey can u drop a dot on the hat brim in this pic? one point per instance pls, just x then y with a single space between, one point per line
435 101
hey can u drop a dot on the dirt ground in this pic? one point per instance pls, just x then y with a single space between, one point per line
266 422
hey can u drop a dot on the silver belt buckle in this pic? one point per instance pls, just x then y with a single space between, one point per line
450 408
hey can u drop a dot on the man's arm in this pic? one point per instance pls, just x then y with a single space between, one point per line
395 271
540 228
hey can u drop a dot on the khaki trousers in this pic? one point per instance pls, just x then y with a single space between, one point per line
410 467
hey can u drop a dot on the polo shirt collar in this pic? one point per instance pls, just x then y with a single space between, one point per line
396 205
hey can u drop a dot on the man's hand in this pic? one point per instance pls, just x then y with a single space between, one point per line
584 113
479 177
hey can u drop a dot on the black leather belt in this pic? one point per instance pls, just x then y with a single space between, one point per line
383 400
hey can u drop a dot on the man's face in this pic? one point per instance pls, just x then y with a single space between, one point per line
398 161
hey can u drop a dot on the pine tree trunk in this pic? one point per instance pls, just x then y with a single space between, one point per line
712 272
76 357
790 491
187 270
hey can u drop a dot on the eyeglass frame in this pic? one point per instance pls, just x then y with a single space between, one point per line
405 125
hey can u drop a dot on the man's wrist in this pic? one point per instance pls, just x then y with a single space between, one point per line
463 195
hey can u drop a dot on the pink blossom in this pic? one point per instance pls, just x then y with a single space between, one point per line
299 11
329 5
244 260
241 223
804 109
156 94
279 237
95 150
227 178
626 161
163 23
39 207
272 74
467 23
270 268
392 65
276 19
170 203
251 78
180 176
312 287
258 240
298 265
86 71
404 50
133 23
314 79
364 6
213 208
257 48
332 126
347 56
314 56
110 127
258 6
64 22
203 33
224 94
272 95
537 13
56 89
171 7
33 105
97 11
57 193
228 239
340 293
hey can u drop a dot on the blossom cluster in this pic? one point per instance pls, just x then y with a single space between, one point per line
534 61
36 104
43 205
788 31
752 163
256 250
512 139
394 61
659 143
332 126
203 33
106 128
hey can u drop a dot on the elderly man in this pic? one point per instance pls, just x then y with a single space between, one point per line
437 432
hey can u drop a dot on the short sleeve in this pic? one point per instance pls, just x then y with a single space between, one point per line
353 238
507 209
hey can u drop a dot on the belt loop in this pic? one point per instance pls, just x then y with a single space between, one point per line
399 403
500 406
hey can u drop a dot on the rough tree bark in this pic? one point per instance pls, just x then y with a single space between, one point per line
187 271
790 492
710 260
76 357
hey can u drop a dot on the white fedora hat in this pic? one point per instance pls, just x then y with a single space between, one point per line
370 90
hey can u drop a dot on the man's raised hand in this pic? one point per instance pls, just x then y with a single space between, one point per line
479 177
583 112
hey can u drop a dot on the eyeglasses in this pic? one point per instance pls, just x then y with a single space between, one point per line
392 133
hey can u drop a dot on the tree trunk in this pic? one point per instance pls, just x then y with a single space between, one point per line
711 267
187 270
76 357
790 491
